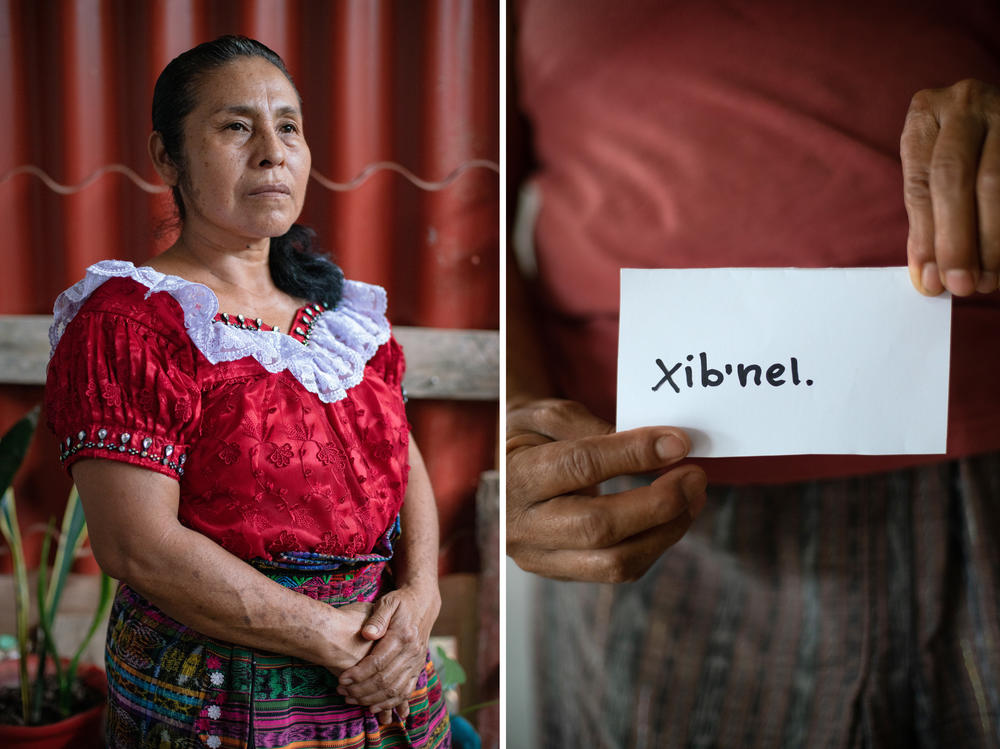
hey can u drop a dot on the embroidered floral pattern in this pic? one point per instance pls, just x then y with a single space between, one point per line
328 544
182 409
230 453
281 455
382 449
331 455
111 394
286 541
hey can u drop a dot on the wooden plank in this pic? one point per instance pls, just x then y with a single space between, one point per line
451 364
24 348
445 364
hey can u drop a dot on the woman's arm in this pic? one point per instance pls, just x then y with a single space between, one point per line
137 538
402 619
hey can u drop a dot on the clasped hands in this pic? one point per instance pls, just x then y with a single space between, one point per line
395 629
557 451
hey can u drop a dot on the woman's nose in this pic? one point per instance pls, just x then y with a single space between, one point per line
270 148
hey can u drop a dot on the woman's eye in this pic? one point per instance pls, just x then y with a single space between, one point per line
289 127
236 126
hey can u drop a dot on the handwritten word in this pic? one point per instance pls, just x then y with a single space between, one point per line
745 373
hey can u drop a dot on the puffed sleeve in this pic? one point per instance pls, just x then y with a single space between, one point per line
389 362
120 390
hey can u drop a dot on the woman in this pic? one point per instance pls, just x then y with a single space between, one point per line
245 484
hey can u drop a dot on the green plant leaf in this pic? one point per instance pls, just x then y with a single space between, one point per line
45 619
71 537
12 533
14 445
450 671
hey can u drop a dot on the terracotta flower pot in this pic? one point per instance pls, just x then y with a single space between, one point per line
84 730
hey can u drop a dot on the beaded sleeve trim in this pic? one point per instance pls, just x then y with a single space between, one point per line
146 448
342 341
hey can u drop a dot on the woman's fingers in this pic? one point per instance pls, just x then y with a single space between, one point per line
953 200
386 689
556 419
624 562
583 522
988 210
556 452
555 468
916 147
951 177
378 620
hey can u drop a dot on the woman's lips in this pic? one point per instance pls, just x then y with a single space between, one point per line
271 191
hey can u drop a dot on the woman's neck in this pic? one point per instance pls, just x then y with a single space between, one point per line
240 277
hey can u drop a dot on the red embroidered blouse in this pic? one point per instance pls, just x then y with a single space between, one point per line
280 442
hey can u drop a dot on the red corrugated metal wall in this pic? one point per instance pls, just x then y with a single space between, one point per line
410 82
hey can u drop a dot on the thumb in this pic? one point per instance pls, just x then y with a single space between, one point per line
378 620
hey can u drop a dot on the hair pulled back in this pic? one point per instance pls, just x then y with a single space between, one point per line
297 266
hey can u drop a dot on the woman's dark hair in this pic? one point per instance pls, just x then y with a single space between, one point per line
297 265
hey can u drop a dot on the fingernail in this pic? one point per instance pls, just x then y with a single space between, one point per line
987 282
959 282
669 447
930 279
371 630
346 682
693 485
350 701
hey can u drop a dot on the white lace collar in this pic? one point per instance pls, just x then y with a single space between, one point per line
341 342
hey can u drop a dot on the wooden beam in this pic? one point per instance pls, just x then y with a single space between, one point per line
445 364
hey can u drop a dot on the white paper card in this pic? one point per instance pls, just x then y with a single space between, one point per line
785 361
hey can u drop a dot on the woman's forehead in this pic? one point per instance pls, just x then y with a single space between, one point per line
245 86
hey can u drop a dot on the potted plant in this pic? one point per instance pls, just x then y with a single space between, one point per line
46 700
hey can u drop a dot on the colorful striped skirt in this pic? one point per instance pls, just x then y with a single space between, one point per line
843 614
170 686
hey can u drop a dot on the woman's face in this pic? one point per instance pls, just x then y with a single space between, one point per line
246 162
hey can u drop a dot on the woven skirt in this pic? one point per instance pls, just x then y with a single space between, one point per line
170 686
858 613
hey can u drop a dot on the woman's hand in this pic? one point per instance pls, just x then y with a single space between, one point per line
950 148
400 624
346 652
557 451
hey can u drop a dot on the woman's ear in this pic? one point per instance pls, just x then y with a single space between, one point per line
161 161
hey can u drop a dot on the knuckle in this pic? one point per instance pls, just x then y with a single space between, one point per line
668 503
988 183
622 569
916 189
950 171
582 464
923 100
594 529
966 91
553 411
409 634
